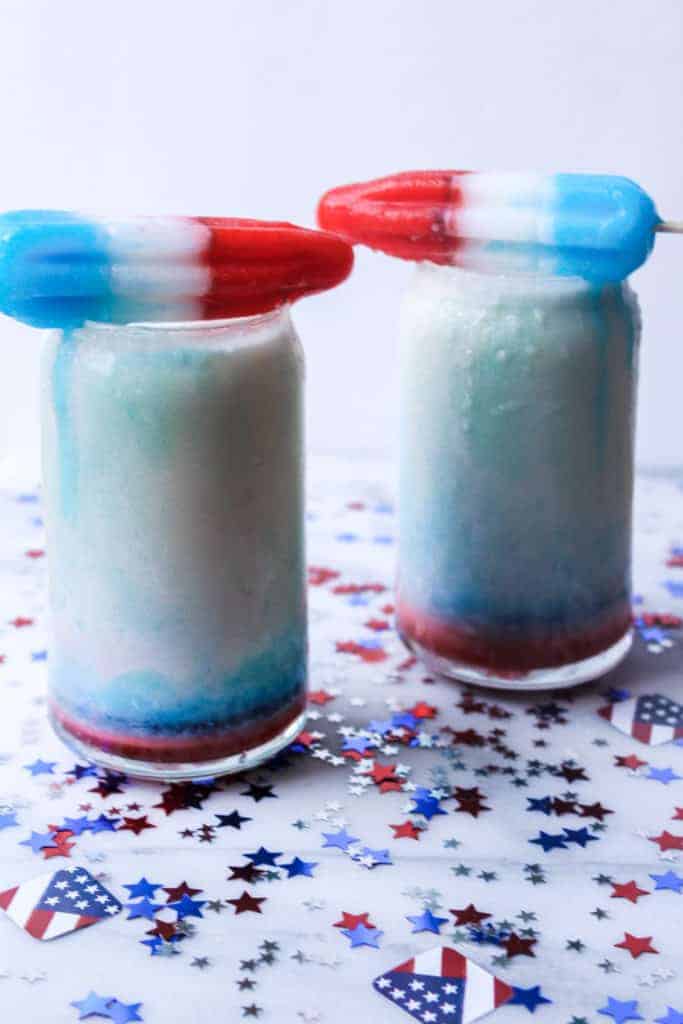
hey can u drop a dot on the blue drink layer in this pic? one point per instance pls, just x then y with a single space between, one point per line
137 702
174 498
516 452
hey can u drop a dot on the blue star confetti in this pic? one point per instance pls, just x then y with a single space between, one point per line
426 922
41 767
362 936
621 1010
94 1005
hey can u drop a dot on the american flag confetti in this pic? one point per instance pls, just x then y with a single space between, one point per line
443 985
58 903
650 718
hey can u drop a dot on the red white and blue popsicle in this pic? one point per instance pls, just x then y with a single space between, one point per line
595 226
59 269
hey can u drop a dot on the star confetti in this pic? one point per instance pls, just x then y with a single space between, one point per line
621 1011
350 921
361 935
628 891
247 903
112 1009
636 944
426 922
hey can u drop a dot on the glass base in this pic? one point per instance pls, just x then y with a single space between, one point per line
555 678
182 771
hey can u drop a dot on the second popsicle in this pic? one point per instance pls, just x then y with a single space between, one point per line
595 226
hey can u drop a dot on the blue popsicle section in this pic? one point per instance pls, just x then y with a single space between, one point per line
604 228
54 268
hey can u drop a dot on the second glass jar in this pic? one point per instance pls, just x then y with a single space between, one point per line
517 428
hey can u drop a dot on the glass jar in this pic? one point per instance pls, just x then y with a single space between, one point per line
516 467
173 470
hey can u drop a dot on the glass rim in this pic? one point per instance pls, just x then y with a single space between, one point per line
218 324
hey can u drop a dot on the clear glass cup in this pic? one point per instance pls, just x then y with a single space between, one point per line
173 470
516 476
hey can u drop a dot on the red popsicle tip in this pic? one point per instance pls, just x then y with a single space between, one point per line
260 265
401 214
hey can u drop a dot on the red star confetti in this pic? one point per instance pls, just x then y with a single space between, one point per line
135 825
245 872
467 737
631 761
378 625
423 710
628 891
666 841
572 773
62 847
182 796
470 801
176 892
369 654
636 944
661 619
352 921
108 785
391 786
469 915
406 831
514 945
382 772
164 929
247 903
596 811
320 697
307 740
318 575
471 706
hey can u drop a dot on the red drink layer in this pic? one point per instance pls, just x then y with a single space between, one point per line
511 651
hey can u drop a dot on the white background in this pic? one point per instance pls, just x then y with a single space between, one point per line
254 107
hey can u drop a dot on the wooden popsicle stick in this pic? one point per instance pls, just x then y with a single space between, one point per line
673 227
